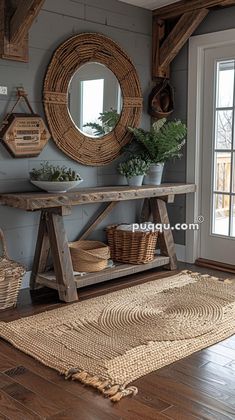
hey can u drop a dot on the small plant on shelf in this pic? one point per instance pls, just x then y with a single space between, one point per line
54 179
134 170
164 141
51 173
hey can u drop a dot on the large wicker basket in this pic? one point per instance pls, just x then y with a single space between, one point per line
131 247
11 274
89 256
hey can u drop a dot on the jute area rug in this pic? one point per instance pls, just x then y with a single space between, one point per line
109 341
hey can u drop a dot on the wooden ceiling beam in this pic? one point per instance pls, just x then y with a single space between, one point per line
185 6
180 35
23 17
16 18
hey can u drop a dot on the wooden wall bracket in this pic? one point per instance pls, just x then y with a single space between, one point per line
16 18
166 48
172 27
159 31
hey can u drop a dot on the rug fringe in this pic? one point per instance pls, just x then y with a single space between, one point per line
208 276
191 273
229 281
110 392
103 385
114 392
132 390
71 372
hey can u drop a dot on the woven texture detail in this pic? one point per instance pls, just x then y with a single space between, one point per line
131 247
109 341
11 274
89 256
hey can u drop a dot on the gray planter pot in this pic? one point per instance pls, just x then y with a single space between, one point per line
154 175
135 181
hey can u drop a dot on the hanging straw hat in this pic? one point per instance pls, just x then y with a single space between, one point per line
161 100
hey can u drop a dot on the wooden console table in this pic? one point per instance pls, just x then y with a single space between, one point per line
52 235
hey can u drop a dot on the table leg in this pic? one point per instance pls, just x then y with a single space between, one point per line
41 252
61 257
166 240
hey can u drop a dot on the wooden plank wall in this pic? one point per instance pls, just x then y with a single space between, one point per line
57 21
130 27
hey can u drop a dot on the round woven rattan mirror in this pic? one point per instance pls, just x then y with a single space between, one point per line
67 59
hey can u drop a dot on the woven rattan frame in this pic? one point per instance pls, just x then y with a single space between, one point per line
73 53
11 274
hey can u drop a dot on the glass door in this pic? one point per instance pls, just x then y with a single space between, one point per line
218 157
223 155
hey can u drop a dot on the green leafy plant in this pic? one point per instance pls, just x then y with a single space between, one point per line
133 167
164 141
108 120
48 172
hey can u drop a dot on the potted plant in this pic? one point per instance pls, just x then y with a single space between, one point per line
164 141
134 170
54 179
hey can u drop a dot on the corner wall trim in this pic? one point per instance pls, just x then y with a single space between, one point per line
26 279
181 252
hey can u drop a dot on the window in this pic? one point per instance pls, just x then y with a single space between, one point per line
223 209
92 98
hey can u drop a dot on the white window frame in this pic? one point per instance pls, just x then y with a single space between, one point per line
197 46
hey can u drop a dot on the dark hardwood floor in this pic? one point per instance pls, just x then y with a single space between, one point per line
201 386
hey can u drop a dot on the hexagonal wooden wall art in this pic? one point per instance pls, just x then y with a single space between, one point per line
24 135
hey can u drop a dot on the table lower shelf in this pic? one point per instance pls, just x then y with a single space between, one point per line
120 270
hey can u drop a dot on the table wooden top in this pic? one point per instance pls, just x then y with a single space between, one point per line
32 201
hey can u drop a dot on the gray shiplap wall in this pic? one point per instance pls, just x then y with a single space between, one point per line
217 20
130 27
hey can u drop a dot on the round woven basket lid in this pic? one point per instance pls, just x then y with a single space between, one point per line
161 100
89 250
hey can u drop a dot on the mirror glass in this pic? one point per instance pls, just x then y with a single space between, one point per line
95 99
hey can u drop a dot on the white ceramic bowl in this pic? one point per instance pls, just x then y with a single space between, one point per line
55 186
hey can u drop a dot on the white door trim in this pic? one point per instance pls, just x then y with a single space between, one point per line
197 46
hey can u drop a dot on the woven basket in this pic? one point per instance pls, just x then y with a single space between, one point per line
131 247
89 256
11 274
